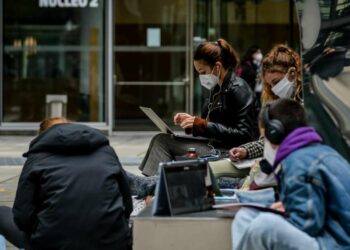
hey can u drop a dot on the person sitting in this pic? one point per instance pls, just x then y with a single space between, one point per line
281 70
72 193
248 69
313 186
227 120
281 78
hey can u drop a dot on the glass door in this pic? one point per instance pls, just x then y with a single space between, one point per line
152 53
53 49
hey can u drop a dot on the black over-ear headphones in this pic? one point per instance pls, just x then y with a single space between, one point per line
274 129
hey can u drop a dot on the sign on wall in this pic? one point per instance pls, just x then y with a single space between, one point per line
153 37
68 3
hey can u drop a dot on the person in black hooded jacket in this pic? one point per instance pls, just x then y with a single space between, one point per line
72 193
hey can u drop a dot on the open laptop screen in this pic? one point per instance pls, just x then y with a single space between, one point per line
188 185
163 127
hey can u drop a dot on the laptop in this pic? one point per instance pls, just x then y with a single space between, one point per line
164 128
184 187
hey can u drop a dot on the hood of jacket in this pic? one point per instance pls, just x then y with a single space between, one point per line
68 138
298 138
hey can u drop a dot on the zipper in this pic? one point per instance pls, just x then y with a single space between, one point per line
215 101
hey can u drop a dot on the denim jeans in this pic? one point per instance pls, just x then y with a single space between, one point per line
264 196
2 243
252 229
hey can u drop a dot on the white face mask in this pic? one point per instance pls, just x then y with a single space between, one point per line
257 59
284 88
269 152
208 81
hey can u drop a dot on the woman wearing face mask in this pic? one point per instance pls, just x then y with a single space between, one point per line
250 71
251 62
282 75
281 71
228 119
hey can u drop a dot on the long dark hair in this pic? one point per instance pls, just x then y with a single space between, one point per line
248 56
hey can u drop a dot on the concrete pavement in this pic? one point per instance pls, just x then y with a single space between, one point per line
130 147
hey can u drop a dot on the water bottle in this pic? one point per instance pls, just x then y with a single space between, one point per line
192 153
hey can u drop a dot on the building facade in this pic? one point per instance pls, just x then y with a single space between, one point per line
108 57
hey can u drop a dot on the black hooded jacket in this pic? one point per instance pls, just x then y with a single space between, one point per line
73 193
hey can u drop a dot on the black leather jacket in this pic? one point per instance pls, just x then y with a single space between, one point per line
230 113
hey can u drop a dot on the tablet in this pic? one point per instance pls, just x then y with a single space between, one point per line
184 187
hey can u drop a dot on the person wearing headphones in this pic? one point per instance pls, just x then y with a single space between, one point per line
228 118
313 186
281 71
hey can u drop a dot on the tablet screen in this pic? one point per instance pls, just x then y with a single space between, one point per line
189 186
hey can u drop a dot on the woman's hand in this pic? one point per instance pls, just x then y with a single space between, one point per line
180 117
188 122
236 154
278 206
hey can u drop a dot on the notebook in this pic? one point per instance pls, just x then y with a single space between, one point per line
183 187
234 207
243 164
163 127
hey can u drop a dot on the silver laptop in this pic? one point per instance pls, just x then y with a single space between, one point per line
163 127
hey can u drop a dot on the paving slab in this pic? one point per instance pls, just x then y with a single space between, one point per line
130 147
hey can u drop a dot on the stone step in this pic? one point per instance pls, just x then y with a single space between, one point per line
19 161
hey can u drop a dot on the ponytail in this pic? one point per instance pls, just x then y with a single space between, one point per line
229 56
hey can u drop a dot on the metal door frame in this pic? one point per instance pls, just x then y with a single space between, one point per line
109 65
189 60
1 60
